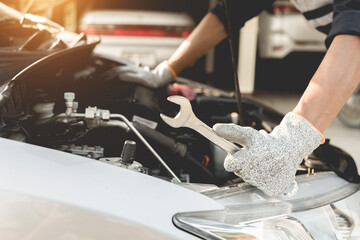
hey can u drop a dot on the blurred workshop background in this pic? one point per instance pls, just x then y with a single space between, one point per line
282 57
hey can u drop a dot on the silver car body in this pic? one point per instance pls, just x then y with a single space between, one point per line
48 194
36 181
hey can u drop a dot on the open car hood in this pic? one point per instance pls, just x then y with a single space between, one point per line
26 38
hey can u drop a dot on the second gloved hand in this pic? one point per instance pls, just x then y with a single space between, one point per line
269 160
158 77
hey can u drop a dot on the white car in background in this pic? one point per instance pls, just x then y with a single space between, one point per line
143 37
285 30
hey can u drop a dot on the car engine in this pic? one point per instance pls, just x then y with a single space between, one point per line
73 101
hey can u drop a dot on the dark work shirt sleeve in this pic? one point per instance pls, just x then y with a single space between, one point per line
240 11
346 19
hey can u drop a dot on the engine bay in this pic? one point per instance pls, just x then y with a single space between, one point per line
73 101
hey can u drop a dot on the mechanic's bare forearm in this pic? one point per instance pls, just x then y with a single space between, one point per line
205 36
333 83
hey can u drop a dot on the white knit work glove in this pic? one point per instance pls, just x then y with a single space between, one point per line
160 76
269 161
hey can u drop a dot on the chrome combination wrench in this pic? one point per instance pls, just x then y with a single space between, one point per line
187 118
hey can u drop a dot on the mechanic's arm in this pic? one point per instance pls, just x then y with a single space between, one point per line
269 161
205 36
210 31
333 83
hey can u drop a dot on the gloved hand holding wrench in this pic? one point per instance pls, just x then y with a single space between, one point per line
268 160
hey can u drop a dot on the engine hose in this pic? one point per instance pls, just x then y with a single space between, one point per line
210 100
178 148
165 141
231 44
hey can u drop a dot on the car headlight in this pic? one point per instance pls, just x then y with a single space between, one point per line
323 208
237 222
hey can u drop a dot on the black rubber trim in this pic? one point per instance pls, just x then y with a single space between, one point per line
325 29
319 12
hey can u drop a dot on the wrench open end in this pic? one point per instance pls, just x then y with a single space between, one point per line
186 118
184 114
170 121
180 100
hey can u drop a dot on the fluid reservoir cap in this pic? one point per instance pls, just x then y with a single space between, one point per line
69 96
128 152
